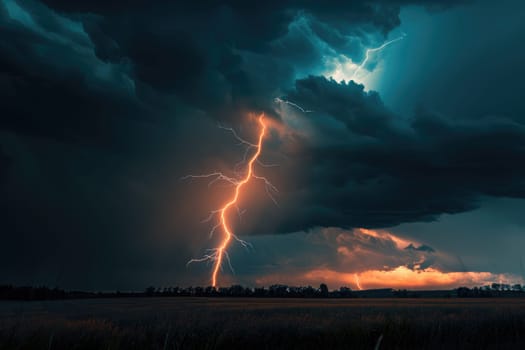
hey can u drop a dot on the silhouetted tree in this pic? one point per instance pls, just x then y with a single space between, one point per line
278 290
260 292
308 292
345 292
323 290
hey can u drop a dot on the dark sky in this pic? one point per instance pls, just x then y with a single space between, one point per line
409 168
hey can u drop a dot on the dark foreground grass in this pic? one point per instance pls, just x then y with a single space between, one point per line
199 323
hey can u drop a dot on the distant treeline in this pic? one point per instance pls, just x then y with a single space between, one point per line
8 292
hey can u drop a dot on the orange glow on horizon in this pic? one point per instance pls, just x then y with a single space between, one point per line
400 277
228 234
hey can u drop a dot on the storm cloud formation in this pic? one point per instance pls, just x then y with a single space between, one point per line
104 105
368 167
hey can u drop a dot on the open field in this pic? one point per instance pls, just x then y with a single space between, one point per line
232 323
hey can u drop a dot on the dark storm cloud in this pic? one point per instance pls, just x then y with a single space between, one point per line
5 162
200 49
366 167
54 86
214 56
101 100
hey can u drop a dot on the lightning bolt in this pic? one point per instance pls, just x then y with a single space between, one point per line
357 283
219 254
369 51
280 100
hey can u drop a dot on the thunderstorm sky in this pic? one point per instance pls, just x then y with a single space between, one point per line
405 170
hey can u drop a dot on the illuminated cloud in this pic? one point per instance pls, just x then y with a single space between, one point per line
367 259
342 68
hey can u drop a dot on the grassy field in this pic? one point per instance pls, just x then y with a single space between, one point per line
228 323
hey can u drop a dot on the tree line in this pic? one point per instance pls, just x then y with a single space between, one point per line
9 292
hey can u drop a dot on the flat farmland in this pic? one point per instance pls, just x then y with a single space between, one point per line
251 323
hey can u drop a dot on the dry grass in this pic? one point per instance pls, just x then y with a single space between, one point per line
199 323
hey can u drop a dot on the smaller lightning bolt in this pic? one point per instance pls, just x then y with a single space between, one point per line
357 283
369 51
280 100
